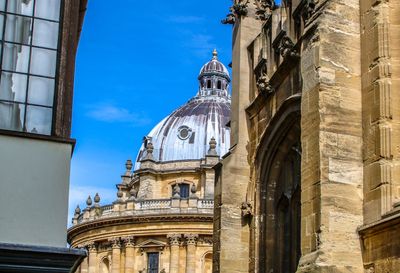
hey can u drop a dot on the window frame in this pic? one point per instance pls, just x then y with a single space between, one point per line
53 106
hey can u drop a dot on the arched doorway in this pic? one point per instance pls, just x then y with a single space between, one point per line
279 170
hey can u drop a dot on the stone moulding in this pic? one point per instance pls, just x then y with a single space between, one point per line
122 220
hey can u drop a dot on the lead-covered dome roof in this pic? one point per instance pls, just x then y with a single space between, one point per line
214 67
185 133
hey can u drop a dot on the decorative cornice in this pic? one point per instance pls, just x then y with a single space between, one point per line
91 247
121 220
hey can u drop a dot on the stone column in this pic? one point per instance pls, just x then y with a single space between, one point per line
191 240
116 255
174 241
129 254
84 266
92 258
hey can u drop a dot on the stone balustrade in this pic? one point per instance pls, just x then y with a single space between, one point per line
145 207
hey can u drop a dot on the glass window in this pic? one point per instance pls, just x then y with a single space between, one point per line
43 62
41 91
48 9
13 87
29 34
152 264
24 7
45 34
184 190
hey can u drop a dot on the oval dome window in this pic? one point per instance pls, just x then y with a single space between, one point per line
184 132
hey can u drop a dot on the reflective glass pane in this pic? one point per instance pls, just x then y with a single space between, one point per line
20 7
48 9
13 87
18 29
38 120
43 62
1 26
41 91
45 34
2 5
15 57
11 116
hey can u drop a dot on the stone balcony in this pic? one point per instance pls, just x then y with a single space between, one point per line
174 206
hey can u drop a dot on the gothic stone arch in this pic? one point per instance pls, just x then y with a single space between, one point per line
278 167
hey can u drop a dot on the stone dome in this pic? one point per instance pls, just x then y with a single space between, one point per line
214 67
185 133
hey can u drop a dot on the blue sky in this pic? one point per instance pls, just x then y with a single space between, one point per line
137 61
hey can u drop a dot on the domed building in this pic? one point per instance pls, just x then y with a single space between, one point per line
162 218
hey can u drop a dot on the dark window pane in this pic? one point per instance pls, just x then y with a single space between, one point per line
18 29
11 116
15 57
153 262
45 34
24 7
184 190
38 120
43 62
48 9
2 5
1 26
13 87
41 91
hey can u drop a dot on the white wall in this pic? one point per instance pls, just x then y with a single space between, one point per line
34 185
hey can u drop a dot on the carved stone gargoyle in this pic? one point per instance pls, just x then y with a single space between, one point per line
264 8
286 48
246 209
229 20
240 8
264 85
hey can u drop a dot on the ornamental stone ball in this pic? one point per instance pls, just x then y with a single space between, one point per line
89 201
77 210
96 198
119 194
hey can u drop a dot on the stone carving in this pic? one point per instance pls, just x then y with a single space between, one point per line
229 20
286 48
89 201
91 247
115 242
263 9
149 151
191 239
213 146
247 209
133 192
174 239
129 241
308 9
240 8
264 85
176 191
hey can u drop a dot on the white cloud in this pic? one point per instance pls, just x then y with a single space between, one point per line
185 19
201 44
112 113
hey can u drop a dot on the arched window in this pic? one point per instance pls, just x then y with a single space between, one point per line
208 83
219 85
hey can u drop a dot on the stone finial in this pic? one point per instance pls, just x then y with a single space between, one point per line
77 210
213 145
174 239
176 191
149 151
89 201
191 239
128 165
96 199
